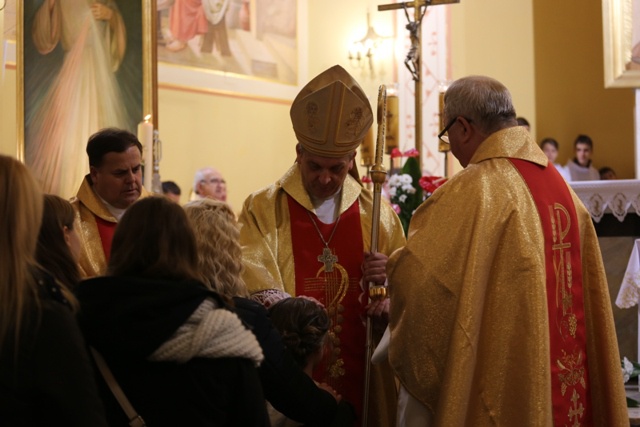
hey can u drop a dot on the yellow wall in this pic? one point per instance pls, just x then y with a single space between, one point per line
570 94
495 38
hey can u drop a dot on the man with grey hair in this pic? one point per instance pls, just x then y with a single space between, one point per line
500 310
208 182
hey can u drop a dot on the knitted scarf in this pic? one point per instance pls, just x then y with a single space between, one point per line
210 332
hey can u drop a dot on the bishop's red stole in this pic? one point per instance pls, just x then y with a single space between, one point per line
570 389
106 229
339 290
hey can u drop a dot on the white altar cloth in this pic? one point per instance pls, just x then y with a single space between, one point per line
619 197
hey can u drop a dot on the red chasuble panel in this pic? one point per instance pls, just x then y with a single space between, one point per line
106 229
567 330
336 284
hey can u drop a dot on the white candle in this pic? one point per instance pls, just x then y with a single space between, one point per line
145 135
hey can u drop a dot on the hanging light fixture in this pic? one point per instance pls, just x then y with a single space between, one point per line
362 51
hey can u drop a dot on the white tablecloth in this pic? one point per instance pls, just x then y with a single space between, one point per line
619 197
629 294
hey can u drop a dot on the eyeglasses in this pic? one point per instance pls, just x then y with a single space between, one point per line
445 138
215 181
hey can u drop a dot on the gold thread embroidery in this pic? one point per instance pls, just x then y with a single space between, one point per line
577 410
572 370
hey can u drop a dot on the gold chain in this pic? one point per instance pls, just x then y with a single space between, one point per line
335 227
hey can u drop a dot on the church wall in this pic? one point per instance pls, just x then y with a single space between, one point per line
495 38
569 80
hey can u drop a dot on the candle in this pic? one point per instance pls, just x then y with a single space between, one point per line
367 149
145 136
392 123
443 147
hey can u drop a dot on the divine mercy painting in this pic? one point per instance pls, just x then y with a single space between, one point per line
83 71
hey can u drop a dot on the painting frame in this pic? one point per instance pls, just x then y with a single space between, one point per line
140 27
205 80
618 19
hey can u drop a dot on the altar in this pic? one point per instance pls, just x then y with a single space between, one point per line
615 209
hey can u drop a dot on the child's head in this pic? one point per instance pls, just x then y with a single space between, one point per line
303 325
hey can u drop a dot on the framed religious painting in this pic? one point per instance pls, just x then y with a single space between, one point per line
82 65
621 36
245 48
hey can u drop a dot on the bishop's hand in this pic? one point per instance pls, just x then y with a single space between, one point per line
374 268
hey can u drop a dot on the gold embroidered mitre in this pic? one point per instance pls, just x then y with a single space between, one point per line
331 115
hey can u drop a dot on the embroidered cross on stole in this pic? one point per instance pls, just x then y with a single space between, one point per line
338 288
570 389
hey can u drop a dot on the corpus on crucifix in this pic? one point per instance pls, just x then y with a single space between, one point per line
412 60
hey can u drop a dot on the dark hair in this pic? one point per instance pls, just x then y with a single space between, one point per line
303 325
170 187
154 239
52 252
606 169
549 141
583 139
110 140
522 121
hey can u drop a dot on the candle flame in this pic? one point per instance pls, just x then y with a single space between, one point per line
147 118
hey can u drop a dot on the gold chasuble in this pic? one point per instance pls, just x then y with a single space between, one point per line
95 226
500 309
283 250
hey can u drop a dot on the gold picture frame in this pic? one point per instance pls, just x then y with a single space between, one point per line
98 72
621 37
204 68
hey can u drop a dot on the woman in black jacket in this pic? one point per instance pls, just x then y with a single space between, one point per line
45 372
179 356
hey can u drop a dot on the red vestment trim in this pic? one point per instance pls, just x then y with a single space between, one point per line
340 291
106 229
567 330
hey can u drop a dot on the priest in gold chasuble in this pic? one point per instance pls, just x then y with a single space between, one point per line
500 312
309 234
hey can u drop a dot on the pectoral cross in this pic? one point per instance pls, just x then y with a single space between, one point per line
412 61
328 259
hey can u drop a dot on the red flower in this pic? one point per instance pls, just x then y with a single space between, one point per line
366 179
396 208
395 153
431 183
411 153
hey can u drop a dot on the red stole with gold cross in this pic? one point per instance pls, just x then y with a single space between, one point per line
570 390
336 284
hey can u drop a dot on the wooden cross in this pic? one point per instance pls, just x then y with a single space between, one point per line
412 61
328 259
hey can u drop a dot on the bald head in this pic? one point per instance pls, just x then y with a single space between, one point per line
209 182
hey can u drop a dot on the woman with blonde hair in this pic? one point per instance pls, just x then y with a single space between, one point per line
219 253
286 387
45 373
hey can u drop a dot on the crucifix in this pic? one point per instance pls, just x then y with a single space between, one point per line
413 61
328 259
